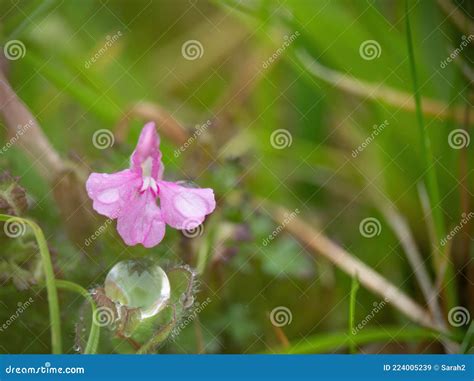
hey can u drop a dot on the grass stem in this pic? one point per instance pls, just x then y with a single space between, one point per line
352 305
49 278
94 335
426 151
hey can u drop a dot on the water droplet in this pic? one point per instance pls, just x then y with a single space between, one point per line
138 283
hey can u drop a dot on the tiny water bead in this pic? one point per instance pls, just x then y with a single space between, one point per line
77 348
140 284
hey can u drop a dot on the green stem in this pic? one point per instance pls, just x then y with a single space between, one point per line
427 154
203 252
354 288
94 335
49 276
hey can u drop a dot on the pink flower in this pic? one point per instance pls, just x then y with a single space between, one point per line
131 196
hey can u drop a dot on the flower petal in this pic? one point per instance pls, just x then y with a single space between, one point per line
110 192
141 221
185 208
146 159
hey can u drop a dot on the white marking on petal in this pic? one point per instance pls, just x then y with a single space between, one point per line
145 184
149 182
153 185
109 196
147 166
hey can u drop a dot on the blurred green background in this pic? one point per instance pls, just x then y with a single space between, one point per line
328 109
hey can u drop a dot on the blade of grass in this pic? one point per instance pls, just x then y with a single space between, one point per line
430 170
206 246
466 343
49 277
426 151
202 256
105 109
16 25
354 289
94 335
308 68
457 17
319 244
339 340
372 90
